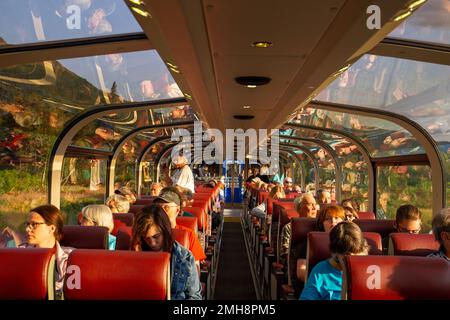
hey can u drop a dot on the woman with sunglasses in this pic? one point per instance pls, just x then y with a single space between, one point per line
152 231
44 228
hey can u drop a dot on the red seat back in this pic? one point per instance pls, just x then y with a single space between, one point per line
26 273
126 218
300 229
270 206
278 206
123 238
318 248
383 227
292 195
200 214
135 208
144 201
286 215
181 236
117 275
188 222
395 278
85 237
366 215
405 244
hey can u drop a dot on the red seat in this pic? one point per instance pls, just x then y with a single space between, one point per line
135 208
181 236
117 275
200 214
405 244
286 215
123 238
383 227
292 195
395 278
85 237
144 201
318 248
27 274
126 218
188 222
366 215
262 196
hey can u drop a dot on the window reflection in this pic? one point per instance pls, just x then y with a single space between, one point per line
430 23
29 21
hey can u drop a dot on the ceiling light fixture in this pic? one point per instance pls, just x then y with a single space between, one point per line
246 107
262 44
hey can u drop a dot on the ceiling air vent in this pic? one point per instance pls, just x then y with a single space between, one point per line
243 116
252 81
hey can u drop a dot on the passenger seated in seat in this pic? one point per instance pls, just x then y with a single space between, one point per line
351 202
155 189
170 200
350 214
99 215
118 203
325 280
306 207
43 230
260 211
323 197
152 231
327 218
441 231
408 219
127 193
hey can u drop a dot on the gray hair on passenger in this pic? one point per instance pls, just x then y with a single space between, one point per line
100 215
119 203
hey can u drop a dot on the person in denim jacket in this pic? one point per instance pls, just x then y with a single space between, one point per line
152 232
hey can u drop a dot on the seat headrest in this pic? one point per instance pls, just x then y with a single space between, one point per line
181 236
395 278
300 229
117 275
27 273
383 227
123 238
85 237
405 244
188 222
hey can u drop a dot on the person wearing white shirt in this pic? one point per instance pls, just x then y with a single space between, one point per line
183 175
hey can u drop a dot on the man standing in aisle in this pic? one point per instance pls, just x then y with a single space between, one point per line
183 175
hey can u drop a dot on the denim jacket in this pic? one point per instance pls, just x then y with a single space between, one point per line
185 281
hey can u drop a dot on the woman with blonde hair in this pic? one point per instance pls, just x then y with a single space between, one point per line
277 192
99 215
